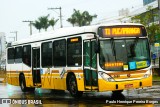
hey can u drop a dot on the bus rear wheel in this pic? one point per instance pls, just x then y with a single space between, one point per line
72 85
31 89
22 83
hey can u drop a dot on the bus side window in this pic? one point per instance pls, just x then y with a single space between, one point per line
74 51
59 52
10 55
27 55
46 54
18 54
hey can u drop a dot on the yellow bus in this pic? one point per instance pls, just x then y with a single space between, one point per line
111 57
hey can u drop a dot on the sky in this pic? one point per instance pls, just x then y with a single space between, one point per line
14 12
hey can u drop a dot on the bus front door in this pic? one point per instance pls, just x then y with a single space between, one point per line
36 66
90 65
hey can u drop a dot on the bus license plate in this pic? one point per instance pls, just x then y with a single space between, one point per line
128 85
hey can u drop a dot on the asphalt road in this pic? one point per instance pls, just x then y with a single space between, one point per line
147 97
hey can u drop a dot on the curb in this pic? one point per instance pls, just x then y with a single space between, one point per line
156 81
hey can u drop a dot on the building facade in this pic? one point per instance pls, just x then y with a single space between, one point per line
2 42
2 50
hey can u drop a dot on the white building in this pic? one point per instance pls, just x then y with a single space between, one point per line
2 42
2 49
126 14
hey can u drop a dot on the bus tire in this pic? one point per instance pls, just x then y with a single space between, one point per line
22 83
117 92
72 86
31 89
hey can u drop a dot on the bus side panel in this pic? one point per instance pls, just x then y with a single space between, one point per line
13 73
60 83
28 78
47 81
8 69
17 68
80 82
28 75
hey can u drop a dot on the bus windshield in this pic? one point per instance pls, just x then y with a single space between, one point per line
124 54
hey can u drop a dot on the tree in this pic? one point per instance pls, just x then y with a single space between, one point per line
81 19
37 25
52 22
72 20
44 22
88 17
147 19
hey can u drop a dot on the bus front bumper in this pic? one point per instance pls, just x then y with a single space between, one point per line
124 85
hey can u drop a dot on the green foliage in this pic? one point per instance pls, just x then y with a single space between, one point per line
147 19
52 22
72 20
37 25
43 23
81 19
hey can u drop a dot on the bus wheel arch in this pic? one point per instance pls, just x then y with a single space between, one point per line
72 87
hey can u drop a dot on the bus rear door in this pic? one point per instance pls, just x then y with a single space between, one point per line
36 66
90 65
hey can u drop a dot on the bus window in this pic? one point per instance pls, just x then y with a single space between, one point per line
27 55
74 51
46 54
133 53
18 55
10 55
59 53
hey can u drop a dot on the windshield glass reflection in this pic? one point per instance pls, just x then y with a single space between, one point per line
126 54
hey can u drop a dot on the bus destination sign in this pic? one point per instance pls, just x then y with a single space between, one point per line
123 31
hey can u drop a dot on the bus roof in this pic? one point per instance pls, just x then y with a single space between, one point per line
65 32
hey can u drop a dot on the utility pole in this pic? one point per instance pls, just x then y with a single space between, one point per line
15 33
159 4
60 14
30 24
159 10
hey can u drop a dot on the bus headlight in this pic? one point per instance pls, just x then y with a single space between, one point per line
148 73
106 77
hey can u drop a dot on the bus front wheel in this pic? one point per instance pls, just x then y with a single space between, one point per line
72 84
117 91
